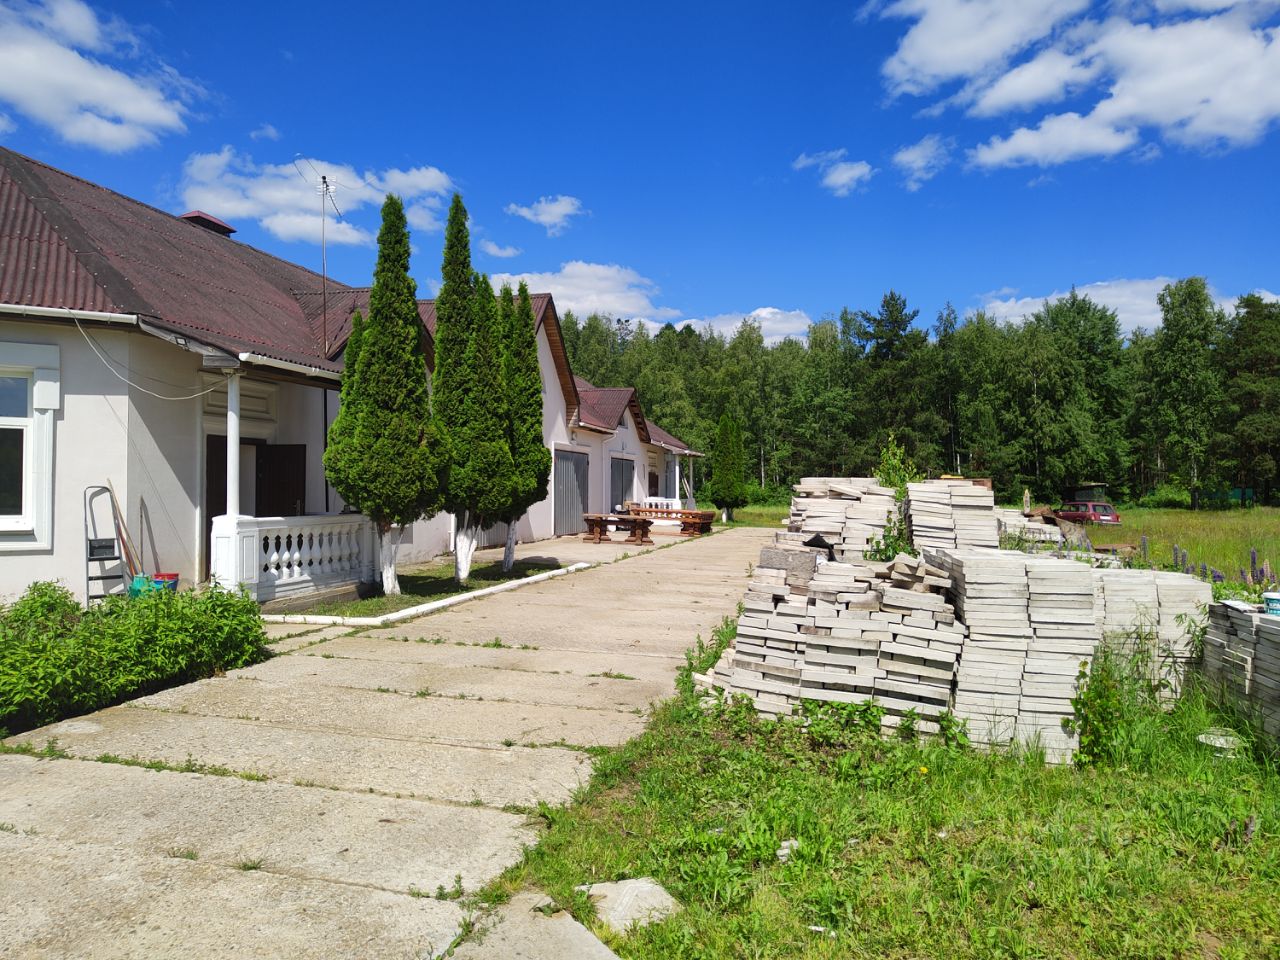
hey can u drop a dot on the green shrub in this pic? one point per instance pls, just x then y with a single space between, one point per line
57 659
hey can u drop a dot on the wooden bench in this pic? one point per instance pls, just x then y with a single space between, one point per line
598 525
693 523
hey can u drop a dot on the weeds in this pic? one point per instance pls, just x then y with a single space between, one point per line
250 865
183 853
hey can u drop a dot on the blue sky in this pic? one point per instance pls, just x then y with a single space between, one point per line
694 161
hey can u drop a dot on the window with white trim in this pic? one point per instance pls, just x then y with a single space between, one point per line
15 450
30 397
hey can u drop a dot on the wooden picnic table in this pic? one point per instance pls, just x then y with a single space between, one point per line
598 527
693 523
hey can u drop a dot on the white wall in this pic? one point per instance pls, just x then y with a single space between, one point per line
165 459
89 438
539 522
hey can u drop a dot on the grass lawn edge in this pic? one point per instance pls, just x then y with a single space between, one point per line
422 608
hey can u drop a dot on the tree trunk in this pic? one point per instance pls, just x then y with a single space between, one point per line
464 548
388 540
509 552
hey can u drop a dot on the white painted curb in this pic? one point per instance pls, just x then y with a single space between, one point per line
422 608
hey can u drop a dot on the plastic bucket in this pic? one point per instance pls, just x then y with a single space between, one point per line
142 583
165 581
1272 601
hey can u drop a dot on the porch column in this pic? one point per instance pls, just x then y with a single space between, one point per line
233 445
677 494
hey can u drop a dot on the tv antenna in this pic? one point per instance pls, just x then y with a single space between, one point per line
325 189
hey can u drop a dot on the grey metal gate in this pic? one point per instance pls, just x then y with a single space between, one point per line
495 536
622 475
571 485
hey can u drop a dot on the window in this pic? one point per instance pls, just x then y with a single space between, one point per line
15 450
30 397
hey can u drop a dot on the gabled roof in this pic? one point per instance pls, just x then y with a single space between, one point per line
68 243
65 242
670 441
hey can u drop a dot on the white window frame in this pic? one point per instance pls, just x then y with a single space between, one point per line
39 364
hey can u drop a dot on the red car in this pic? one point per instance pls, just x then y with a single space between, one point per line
1088 511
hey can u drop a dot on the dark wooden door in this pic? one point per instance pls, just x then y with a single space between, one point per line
280 488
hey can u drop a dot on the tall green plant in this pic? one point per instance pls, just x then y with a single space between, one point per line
727 489
522 378
385 458
470 395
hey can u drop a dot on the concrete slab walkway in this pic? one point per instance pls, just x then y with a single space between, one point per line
314 805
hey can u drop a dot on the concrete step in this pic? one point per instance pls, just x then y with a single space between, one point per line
397 648
589 692
305 832
428 718
83 900
360 762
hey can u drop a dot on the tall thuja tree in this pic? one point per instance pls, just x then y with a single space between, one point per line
340 466
522 380
384 457
1188 379
727 489
468 397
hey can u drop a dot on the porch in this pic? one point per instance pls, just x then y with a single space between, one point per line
261 442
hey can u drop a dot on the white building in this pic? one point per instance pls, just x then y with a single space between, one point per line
197 378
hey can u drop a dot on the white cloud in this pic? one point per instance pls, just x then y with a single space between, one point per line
265 132
840 176
55 70
822 159
1045 79
231 186
1196 73
1057 139
496 250
953 39
775 324
923 160
6 124
1134 301
553 213
605 288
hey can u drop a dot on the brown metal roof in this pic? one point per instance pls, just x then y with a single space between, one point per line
65 242
658 435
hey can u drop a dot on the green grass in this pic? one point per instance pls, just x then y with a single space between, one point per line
433 581
910 849
1220 538
771 515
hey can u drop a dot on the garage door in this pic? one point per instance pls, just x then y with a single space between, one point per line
570 491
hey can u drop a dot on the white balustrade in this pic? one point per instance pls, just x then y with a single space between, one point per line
283 556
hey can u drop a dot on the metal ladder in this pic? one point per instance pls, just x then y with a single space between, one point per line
100 550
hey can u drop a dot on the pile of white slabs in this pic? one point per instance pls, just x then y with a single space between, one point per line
991 593
951 514
1035 530
848 512
1064 637
1266 675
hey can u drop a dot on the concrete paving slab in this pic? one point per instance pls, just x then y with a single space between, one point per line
519 931
281 631
595 692
290 642
408 717
307 832
106 903
579 662
360 762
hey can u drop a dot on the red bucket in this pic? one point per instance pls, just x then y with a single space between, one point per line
165 581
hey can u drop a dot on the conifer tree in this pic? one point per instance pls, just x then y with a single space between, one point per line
385 459
469 396
727 489
522 377
339 463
